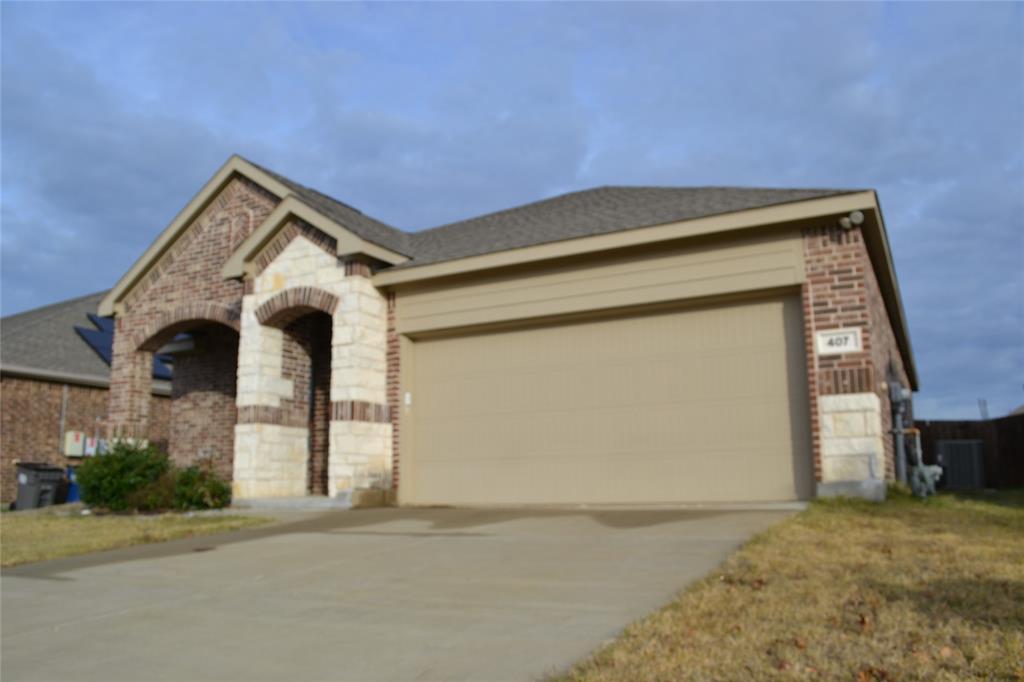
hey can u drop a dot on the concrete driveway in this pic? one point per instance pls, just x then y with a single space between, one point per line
383 594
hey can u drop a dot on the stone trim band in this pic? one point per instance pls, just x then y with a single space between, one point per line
269 414
360 411
341 410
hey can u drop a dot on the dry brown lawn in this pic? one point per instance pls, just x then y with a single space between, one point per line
905 590
37 536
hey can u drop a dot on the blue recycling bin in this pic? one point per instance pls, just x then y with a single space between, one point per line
72 485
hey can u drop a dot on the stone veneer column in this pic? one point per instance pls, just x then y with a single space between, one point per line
852 450
271 457
360 432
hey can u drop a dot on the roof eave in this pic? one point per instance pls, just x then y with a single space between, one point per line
893 298
235 165
291 207
718 224
348 241
160 387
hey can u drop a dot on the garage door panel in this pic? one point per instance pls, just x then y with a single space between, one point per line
693 405
729 375
595 431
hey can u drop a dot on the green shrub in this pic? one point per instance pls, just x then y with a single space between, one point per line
155 496
108 480
200 488
134 477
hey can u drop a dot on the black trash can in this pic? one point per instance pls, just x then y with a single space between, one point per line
38 485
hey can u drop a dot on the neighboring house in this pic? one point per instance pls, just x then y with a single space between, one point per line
54 376
615 345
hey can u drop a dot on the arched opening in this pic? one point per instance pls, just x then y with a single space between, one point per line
306 361
203 357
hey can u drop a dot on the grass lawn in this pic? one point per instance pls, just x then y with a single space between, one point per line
37 536
905 590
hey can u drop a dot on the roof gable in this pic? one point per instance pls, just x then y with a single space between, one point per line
292 208
578 222
340 221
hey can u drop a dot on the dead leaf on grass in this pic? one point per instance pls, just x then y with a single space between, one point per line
873 674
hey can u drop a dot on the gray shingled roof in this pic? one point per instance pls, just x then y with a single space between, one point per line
45 339
586 213
592 212
352 218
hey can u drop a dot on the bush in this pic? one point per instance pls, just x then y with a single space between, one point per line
200 488
134 477
109 480
155 496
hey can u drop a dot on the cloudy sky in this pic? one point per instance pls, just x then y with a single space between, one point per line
113 116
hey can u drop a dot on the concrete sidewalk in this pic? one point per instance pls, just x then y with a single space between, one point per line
375 594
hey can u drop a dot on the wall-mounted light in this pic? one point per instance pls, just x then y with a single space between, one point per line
848 221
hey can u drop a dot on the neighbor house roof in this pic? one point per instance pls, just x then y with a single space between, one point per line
65 341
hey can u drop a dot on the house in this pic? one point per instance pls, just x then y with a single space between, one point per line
54 376
614 345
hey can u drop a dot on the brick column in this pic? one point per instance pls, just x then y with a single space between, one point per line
131 383
847 420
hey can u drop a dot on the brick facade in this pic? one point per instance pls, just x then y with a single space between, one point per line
842 291
203 412
294 385
30 423
186 283
394 388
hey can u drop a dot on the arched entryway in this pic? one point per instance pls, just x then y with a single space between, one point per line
306 361
305 317
202 350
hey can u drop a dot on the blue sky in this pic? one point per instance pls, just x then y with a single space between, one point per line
114 115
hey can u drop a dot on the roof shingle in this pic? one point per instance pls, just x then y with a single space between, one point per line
45 338
601 210
586 213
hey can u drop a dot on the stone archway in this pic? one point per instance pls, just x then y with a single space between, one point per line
291 304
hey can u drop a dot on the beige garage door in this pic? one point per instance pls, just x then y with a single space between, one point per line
683 406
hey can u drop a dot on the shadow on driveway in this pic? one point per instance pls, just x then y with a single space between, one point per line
439 522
